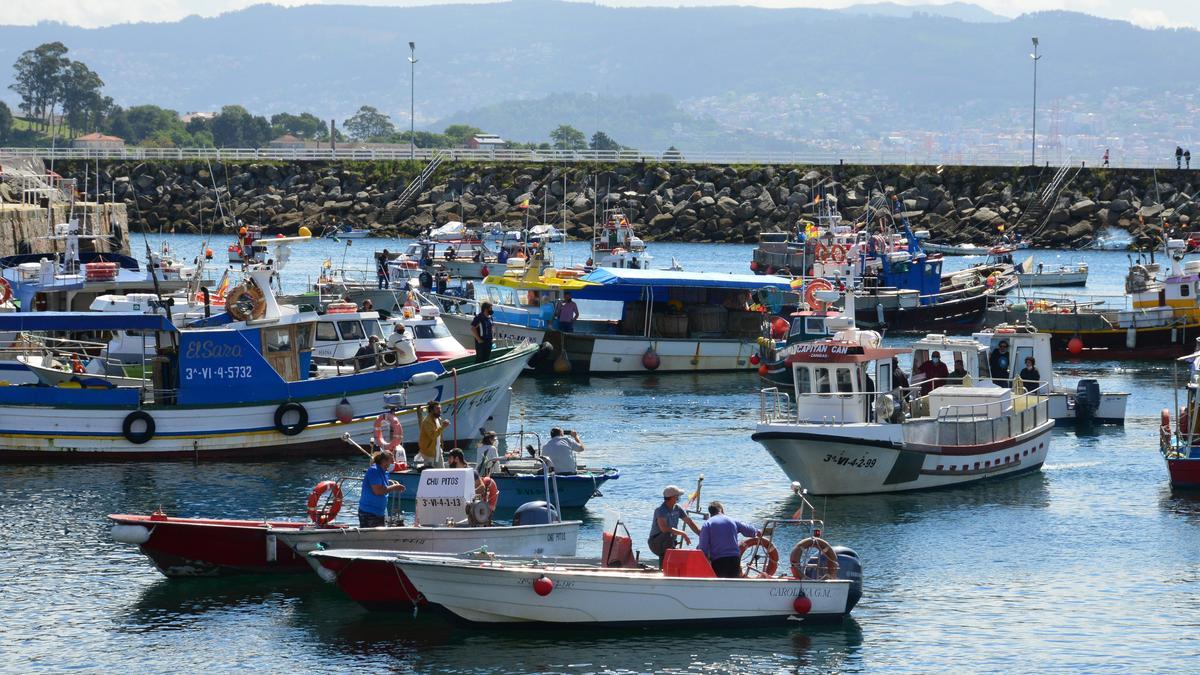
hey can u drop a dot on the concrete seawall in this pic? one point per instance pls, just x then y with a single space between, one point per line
27 228
671 202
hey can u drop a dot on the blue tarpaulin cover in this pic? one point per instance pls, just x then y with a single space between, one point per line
82 321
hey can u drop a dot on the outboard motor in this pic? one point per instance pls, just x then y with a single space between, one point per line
535 513
849 568
1087 400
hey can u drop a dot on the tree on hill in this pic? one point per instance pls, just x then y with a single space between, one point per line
6 119
37 79
459 134
82 103
144 122
234 127
602 141
369 123
304 125
567 137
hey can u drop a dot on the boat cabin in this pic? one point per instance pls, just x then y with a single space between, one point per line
339 335
841 382
1023 341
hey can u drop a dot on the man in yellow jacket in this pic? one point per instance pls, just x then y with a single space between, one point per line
432 424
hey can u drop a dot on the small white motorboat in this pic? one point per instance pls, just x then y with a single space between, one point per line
819 583
1029 274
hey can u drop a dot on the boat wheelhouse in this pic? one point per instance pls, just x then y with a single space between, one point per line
1180 444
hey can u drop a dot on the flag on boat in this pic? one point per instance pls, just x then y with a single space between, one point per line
797 284
694 499
223 287
524 204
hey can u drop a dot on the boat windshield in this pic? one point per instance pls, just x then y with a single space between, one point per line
351 330
430 331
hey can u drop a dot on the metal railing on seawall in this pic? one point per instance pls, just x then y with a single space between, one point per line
748 157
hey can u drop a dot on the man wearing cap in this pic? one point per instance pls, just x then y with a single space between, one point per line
719 541
1000 364
664 528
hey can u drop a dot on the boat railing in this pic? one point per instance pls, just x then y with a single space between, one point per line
987 422
774 406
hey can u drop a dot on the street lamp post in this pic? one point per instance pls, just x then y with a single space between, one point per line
412 99
1033 141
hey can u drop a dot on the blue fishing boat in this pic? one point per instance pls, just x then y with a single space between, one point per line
516 489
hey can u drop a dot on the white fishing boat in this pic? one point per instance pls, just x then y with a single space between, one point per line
818 583
615 244
348 231
955 249
851 430
1030 274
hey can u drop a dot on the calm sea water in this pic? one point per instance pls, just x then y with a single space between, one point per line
1091 564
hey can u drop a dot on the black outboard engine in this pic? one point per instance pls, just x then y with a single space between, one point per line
849 568
535 513
1087 400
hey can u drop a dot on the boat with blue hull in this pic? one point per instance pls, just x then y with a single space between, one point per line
574 491
235 389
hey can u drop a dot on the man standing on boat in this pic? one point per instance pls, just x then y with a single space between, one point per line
431 424
933 373
664 527
719 541
481 330
567 313
960 371
561 449
1000 364
372 505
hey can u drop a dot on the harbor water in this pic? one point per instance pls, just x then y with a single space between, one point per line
1091 564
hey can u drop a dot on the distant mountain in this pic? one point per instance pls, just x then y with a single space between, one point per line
952 10
725 77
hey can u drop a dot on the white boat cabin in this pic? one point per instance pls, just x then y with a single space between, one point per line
838 382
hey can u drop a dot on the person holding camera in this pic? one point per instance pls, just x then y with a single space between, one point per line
561 449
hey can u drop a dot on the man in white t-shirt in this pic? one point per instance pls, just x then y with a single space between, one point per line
488 454
402 343
561 449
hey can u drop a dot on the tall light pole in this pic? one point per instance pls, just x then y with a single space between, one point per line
1033 141
412 99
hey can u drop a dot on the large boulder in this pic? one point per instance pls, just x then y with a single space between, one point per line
1083 208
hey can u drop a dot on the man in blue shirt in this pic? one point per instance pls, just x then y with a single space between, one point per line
719 541
481 330
372 505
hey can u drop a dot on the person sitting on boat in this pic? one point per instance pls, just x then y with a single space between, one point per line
367 306
898 376
376 486
664 528
455 459
367 355
488 453
999 362
450 253
719 541
933 373
478 257
401 343
960 371
1030 376
431 425
561 449
502 256
566 314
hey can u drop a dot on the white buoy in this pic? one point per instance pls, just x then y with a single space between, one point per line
130 534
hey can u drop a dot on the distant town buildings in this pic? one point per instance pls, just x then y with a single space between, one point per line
485 142
188 117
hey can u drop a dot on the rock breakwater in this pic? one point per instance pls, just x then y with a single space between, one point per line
671 202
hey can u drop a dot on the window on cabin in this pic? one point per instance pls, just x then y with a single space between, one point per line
494 295
822 381
351 330
803 380
277 340
304 337
845 382
430 331
814 326
326 332
373 328
1184 290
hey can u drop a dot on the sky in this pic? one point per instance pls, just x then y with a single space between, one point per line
95 13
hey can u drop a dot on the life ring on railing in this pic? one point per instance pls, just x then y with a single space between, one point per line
838 254
5 291
810 293
245 302
800 551
768 549
138 437
296 427
395 431
821 252
323 514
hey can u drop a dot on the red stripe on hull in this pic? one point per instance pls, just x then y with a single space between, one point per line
374 584
324 448
1185 473
197 547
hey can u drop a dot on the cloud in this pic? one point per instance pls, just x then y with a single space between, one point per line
1153 18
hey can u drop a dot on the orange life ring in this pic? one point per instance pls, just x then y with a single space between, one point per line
395 431
76 365
258 303
838 253
799 555
323 514
821 251
772 564
5 291
810 293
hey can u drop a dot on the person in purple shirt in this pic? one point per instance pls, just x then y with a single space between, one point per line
566 314
719 541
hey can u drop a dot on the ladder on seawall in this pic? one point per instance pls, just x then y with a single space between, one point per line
414 188
1038 213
